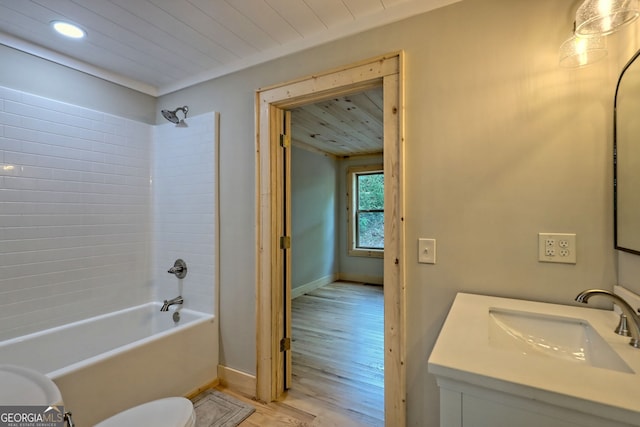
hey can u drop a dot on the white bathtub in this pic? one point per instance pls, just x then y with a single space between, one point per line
112 362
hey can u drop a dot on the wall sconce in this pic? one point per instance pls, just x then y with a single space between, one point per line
594 20
579 51
601 17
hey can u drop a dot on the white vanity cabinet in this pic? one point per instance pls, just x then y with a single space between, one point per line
463 405
565 367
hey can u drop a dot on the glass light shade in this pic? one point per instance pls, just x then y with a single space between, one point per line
580 51
601 17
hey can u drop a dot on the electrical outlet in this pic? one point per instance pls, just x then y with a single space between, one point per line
557 247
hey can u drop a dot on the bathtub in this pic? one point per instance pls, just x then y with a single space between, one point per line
108 363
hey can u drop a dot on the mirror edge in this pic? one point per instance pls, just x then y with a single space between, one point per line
615 160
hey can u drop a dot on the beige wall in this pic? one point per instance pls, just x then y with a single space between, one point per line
314 217
25 72
500 144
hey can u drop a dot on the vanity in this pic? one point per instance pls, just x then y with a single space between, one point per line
503 362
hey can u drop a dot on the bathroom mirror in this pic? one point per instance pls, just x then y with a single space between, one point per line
627 158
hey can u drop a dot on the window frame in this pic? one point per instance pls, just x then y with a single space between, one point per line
352 211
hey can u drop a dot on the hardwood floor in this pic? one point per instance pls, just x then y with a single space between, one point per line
338 370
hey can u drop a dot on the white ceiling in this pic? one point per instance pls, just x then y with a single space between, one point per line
159 46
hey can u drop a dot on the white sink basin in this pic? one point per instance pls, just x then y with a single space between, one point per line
543 335
564 356
22 386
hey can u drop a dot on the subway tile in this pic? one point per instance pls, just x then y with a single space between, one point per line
9 119
8 195
35 172
20 133
20 159
66 141
19 183
76 218
62 107
11 95
54 116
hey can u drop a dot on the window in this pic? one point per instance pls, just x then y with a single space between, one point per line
366 208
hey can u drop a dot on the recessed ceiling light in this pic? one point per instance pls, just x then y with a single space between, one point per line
67 29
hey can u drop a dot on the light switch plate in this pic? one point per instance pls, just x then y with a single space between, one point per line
557 247
427 251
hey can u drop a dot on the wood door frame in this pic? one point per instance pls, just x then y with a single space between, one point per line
388 71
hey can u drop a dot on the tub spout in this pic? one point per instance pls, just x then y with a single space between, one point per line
634 324
169 303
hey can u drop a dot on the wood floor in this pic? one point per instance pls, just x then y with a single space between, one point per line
338 372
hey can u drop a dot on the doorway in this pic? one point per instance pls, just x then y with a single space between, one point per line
272 311
336 192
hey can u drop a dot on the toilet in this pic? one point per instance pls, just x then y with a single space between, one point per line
167 412
24 386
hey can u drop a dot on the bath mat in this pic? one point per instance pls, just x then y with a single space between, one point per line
216 409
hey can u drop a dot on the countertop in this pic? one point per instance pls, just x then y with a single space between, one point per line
463 353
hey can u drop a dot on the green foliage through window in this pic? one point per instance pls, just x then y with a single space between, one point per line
370 210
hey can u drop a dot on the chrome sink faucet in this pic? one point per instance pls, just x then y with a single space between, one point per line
169 303
628 311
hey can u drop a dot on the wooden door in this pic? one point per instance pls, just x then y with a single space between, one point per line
286 258
282 268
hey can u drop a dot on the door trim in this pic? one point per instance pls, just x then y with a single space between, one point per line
388 70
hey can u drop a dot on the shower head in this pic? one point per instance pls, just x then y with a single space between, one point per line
173 117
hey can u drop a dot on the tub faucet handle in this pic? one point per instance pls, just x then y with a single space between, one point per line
179 269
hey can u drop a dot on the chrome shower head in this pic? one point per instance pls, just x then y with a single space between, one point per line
173 117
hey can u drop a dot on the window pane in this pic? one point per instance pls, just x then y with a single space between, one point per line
370 191
371 230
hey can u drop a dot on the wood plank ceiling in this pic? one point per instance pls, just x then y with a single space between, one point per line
159 46
346 126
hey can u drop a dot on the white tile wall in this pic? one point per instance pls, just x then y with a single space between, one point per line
184 206
75 203
77 213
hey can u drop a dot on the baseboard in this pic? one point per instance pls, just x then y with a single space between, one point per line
202 388
237 380
308 287
374 280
